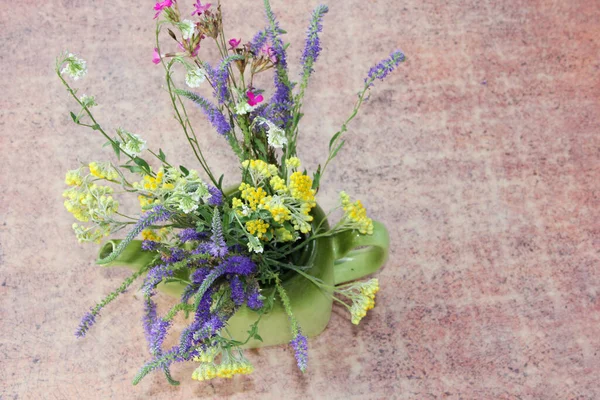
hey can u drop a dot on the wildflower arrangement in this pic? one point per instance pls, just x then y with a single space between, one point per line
229 248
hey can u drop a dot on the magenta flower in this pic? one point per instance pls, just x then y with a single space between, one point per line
254 100
200 8
156 56
161 5
269 52
234 43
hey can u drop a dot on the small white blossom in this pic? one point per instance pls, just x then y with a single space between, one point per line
254 244
275 135
243 108
88 101
194 77
132 144
75 67
188 29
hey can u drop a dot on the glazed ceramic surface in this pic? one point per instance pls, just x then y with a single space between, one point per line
336 259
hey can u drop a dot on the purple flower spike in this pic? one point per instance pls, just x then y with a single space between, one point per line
237 291
312 49
300 345
86 323
254 301
189 234
240 265
149 245
381 70
216 197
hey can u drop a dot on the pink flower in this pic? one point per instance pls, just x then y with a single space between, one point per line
269 52
161 5
200 8
234 43
156 56
254 100
194 52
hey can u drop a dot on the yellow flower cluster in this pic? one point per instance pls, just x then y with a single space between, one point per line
356 215
155 235
290 198
301 187
74 177
208 371
92 234
90 202
259 169
293 162
364 300
256 197
103 171
257 227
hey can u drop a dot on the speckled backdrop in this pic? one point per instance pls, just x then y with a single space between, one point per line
481 155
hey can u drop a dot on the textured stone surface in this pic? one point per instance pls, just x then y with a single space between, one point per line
481 154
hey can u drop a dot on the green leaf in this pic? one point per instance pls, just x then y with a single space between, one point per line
261 147
337 149
257 337
142 163
116 149
185 171
317 177
132 168
161 155
74 117
96 127
333 139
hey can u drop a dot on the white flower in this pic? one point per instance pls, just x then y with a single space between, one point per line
88 101
275 135
194 77
243 108
132 144
188 29
75 67
187 204
254 244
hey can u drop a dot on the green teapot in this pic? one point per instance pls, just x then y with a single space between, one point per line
335 259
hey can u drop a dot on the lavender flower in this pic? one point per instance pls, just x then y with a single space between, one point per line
86 322
254 301
258 41
149 245
189 234
381 70
217 247
300 346
237 291
155 276
216 117
216 196
157 214
176 255
240 265
278 110
199 275
219 77
313 45
158 334
149 317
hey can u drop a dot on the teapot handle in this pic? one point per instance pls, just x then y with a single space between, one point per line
359 255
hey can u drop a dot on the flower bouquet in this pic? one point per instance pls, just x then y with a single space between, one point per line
244 261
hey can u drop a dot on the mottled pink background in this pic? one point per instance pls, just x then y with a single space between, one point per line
481 155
